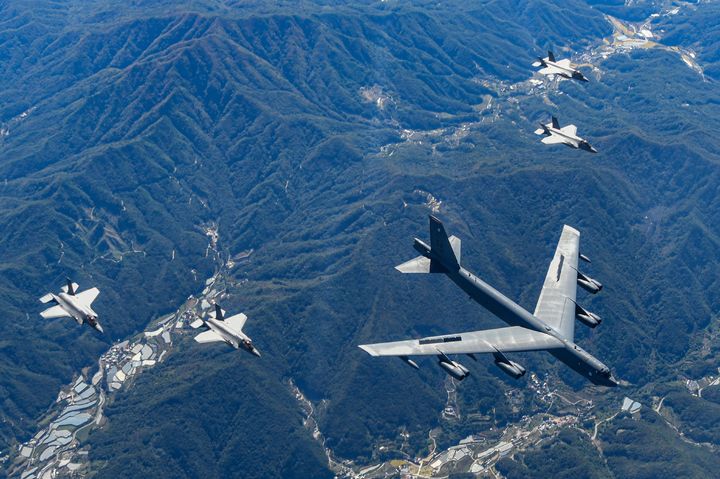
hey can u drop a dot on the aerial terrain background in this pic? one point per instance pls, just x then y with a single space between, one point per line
315 138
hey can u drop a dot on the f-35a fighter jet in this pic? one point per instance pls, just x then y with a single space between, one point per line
71 304
567 135
550 328
228 330
562 68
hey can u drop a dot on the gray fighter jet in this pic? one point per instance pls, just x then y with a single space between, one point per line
228 330
566 135
71 304
563 68
551 328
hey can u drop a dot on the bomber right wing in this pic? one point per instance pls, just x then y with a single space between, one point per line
510 339
556 305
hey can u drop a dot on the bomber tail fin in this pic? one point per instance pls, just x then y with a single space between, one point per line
443 249
441 256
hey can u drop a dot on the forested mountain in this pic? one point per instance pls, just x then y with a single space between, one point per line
319 135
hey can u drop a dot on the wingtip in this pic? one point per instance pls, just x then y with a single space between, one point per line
368 349
570 229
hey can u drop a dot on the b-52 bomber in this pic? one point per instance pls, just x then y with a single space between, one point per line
567 135
550 328
562 68
228 330
71 304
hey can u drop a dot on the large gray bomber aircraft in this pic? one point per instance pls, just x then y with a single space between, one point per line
551 328
71 304
227 330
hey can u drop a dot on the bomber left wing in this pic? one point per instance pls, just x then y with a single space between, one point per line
510 339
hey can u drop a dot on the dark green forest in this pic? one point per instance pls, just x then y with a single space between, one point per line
147 122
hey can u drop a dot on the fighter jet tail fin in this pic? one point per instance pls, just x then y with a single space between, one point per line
70 287
551 56
555 122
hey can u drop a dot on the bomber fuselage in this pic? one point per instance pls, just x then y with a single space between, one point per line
515 315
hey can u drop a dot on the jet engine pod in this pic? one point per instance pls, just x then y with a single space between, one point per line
511 368
409 362
454 369
586 317
588 284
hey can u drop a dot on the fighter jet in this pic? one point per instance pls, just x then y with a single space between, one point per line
227 330
72 304
566 135
562 68
550 328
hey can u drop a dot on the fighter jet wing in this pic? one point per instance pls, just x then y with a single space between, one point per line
556 305
551 71
236 322
553 140
208 336
88 296
565 63
569 129
55 312
510 339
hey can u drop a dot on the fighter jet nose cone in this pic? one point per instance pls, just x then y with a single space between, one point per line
255 352
99 328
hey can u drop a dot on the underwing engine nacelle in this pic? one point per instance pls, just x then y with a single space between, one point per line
588 284
453 368
511 368
586 317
